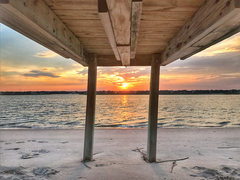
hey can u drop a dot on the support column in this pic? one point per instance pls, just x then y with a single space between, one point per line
153 109
90 111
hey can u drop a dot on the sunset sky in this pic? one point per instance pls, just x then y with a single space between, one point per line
28 66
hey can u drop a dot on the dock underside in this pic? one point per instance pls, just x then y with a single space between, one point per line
123 33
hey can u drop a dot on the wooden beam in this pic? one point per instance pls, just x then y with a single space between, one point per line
124 52
106 22
139 60
135 24
120 14
153 109
90 111
229 34
208 21
37 21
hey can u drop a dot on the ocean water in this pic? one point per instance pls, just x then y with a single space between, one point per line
118 111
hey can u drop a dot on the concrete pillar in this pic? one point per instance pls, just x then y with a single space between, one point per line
90 111
153 109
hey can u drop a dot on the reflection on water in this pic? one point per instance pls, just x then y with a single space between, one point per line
68 111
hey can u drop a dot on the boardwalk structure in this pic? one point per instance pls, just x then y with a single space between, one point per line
123 33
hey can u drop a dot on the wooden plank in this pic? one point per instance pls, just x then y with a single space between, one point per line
106 22
166 16
97 47
135 25
42 25
120 13
153 109
72 4
90 111
150 49
172 5
161 24
211 15
83 23
124 52
101 51
139 60
156 42
88 41
90 34
68 14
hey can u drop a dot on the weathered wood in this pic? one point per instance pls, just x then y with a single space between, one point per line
106 22
211 16
72 4
120 13
153 109
37 17
139 60
124 52
142 49
172 5
166 16
135 25
69 14
227 35
90 111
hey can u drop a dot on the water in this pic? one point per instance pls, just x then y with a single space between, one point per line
68 111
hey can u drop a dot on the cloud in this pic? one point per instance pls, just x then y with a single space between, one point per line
36 73
82 71
46 54
48 69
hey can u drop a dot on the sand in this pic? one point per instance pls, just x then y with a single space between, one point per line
214 153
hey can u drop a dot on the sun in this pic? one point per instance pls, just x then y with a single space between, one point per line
125 85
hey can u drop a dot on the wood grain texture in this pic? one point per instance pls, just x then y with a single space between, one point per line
153 109
124 52
90 108
120 13
211 16
139 60
37 17
135 24
106 22
72 4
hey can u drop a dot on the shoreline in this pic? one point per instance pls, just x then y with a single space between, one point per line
212 152
119 128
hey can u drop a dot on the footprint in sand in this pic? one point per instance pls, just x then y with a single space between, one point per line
12 149
43 151
29 155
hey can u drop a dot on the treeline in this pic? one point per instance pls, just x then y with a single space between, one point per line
162 92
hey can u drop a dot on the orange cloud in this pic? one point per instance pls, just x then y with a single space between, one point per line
46 54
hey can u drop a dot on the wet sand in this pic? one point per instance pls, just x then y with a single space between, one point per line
213 153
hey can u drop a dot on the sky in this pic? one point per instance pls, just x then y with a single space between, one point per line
28 66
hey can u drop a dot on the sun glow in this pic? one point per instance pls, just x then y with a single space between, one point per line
125 85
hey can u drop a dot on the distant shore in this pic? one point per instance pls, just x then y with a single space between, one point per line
211 153
161 92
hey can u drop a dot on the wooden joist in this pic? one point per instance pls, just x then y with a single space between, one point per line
37 21
120 13
213 20
106 22
121 19
135 24
139 60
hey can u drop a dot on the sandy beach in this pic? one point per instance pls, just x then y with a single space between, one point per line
208 153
